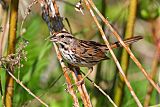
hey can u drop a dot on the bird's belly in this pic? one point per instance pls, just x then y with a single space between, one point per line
71 58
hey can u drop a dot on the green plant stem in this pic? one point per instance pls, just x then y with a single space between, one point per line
11 49
118 93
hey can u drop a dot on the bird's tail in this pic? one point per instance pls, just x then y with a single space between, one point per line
126 41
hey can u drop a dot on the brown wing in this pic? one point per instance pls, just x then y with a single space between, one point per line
90 51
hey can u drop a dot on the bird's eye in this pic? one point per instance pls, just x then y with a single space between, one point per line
62 36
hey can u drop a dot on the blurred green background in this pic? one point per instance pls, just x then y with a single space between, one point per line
42 67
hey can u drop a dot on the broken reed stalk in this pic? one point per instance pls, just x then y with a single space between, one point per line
81 88
124 60
126 47
114 57
8 98
50 6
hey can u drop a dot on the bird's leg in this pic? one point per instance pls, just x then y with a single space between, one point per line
89 71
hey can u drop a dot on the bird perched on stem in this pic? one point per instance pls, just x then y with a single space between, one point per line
82 53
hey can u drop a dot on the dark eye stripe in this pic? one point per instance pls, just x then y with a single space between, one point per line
69 36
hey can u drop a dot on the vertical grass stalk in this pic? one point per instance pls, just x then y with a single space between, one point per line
119 88
11 50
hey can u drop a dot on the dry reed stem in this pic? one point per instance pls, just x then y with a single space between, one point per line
68 80
4 32
86 94
126 47
114 57
81 88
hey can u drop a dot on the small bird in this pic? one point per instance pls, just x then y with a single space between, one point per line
82 53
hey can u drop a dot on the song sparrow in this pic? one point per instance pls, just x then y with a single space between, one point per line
84 53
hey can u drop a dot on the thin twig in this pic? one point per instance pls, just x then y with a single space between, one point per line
28 10
158 105
114 57
126 47
100 89
28 90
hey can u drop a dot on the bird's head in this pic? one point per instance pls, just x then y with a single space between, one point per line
63 38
